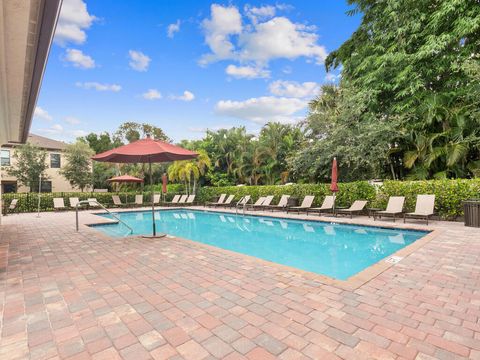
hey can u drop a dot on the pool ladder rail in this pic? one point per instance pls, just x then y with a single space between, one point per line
88 202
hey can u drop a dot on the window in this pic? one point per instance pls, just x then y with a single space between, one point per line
55 161
5 157
46 186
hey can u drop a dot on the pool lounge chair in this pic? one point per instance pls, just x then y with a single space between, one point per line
243 201
13 206
190 200
93 203
394 208
281 204
228 202
259 202
356 208
306 204
220 201
173 202
424 208
73 202
156 198
58 204
266 202
138 200
327 206
116 201
183 199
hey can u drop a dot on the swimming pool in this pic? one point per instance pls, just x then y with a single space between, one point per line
335 250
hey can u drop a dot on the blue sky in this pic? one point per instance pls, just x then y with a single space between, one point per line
186 66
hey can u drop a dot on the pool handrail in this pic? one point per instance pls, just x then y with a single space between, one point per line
87 202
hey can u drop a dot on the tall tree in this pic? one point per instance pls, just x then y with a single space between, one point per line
30 164
78 168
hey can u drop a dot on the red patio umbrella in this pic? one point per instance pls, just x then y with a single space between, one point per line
146 151
333 184
125 179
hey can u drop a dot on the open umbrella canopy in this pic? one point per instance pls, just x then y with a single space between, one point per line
145 150
125 179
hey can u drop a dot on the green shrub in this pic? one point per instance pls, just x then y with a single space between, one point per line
448 202
449 194
347 194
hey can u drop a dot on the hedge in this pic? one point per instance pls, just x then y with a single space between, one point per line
449 194
448 204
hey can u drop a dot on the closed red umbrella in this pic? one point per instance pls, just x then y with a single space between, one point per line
164 183
146 151
333 184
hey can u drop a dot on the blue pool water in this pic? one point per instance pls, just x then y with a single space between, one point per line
335 250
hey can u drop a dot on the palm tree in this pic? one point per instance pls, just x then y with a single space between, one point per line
188 170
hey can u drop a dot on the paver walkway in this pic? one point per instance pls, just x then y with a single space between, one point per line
83 295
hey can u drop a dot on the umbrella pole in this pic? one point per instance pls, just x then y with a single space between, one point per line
153 203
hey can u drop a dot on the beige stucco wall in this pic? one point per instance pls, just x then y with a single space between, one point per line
59 183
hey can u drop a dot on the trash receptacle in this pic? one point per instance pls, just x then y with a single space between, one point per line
471 209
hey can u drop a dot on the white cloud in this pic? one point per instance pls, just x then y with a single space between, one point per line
331 77
248 72
263 40
280 38
138 60
77 133
172 29
259 13
187 96
224 22
152 94
42 114
79 59
74 19
55 129
72 120
99 86
263 109
294 89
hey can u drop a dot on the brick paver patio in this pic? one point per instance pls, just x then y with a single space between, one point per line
83 295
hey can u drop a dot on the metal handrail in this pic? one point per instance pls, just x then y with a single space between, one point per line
85 202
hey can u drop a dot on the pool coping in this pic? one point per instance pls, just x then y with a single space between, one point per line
351 283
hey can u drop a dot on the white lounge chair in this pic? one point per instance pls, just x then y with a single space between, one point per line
327 205
243 201
139 200
174 201
58 204
281 204
228 201
116 201
73 201
357 207
394 208
190 200
220 201
92 202
156 198
306 204
424 208
13 205
259 202
182 199
266 202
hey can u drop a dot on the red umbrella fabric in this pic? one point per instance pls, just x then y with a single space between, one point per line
146 151
164 183
125 179
333 184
